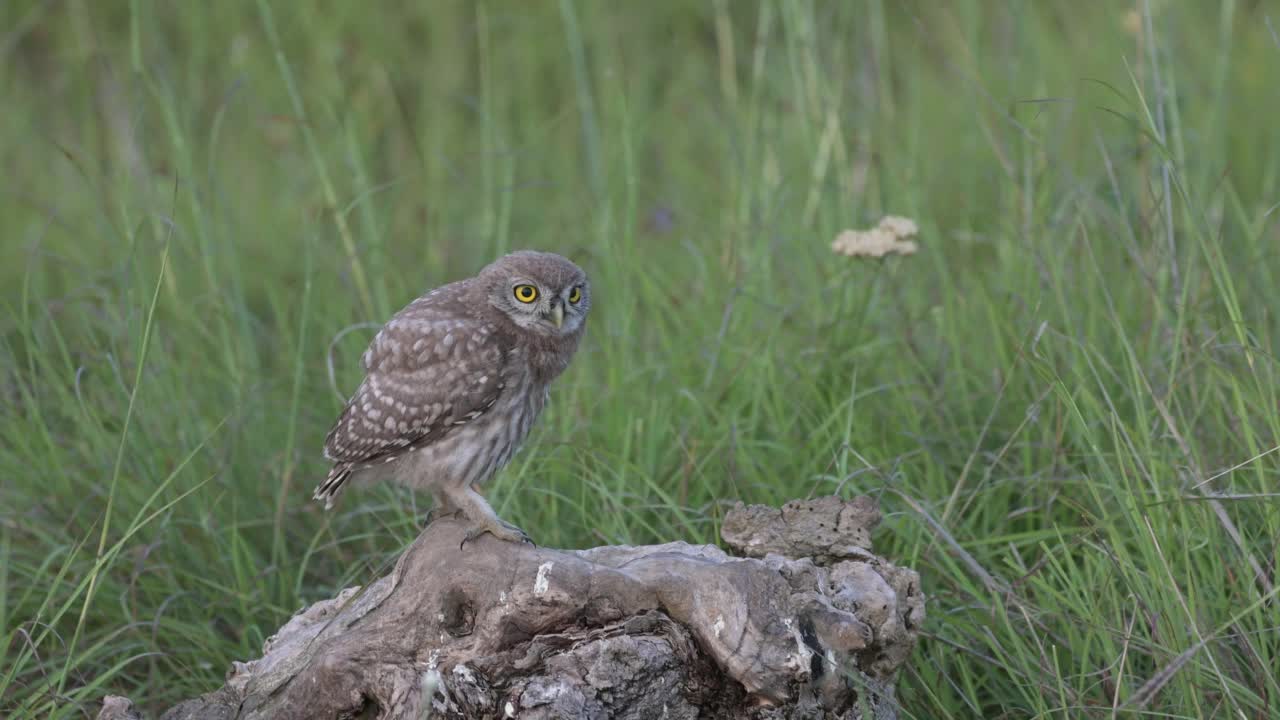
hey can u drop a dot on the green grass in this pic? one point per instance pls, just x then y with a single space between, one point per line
200 198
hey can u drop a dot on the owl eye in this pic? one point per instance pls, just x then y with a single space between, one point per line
526 293
575 295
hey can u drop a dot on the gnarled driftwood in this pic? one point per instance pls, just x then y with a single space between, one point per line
810 624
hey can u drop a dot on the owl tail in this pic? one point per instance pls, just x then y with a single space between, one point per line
332 485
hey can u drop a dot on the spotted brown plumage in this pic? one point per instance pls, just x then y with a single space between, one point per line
455 380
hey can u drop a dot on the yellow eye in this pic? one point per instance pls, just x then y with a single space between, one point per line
575 295
526 293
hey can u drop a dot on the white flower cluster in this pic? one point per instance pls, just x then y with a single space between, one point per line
892 235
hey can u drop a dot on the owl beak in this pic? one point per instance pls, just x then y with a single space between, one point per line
557 314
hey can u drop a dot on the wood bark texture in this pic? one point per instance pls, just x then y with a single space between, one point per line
804 622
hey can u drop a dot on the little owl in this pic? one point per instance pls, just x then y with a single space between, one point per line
454 381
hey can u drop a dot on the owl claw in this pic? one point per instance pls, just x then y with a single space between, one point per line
439 513
499 529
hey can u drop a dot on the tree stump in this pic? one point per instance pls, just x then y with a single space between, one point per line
809 624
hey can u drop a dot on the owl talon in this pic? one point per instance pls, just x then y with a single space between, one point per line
440 513
499 529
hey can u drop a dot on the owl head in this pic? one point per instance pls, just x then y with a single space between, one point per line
540 292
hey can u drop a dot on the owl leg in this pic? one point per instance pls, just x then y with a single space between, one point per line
441 507
482 518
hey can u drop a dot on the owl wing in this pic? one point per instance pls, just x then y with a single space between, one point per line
427 372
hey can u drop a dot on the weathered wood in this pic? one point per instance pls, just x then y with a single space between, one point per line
810 625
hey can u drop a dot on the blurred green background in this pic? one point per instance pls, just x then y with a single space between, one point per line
1066 401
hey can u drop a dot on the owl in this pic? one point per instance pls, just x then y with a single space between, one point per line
455 380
